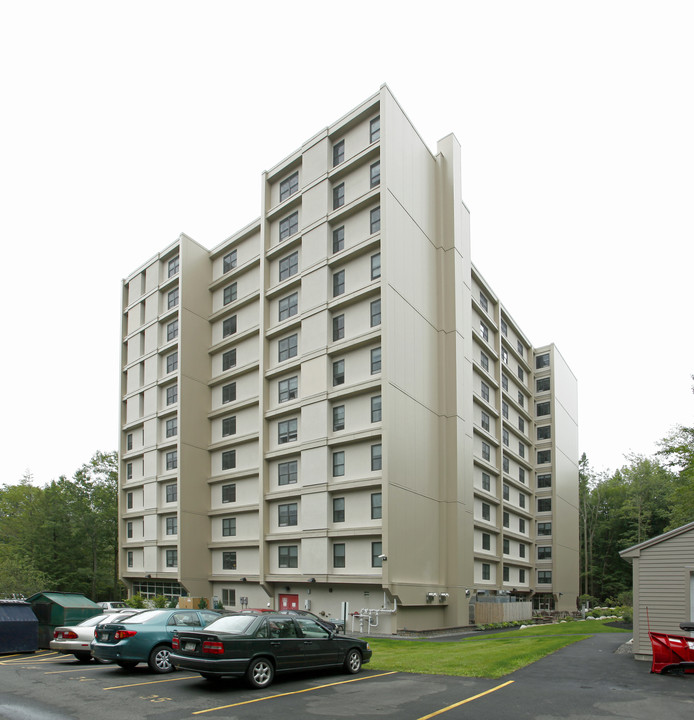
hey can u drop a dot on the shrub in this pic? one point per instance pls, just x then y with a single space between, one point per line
136 602
159 601
202 604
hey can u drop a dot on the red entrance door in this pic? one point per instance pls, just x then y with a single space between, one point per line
289 602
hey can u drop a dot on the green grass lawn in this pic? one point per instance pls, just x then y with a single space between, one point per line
487 656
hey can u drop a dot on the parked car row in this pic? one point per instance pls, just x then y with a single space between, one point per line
251 644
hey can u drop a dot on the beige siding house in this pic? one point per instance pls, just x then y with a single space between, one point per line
663 585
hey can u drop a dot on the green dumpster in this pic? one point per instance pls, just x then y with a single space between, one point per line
59 608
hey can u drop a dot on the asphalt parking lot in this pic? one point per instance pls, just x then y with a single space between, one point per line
584 680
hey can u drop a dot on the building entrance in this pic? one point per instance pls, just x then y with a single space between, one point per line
289 602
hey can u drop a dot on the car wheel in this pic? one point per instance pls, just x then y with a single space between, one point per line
83 656
260 673
159 660
126 664
353 662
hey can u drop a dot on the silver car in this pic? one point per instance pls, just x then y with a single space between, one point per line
75 639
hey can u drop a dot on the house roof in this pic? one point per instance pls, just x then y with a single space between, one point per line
635 550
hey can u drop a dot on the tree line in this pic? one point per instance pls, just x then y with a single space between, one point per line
64 536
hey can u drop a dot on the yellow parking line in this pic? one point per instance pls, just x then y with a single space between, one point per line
80 668
154 682
467 700
22 659
294 692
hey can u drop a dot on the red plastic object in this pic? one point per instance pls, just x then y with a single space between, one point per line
672 652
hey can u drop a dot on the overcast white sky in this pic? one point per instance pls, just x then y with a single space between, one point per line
127 123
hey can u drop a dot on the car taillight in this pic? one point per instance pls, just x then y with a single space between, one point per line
175 644
123 634
213 648
64 635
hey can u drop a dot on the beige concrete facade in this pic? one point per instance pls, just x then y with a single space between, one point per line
334 407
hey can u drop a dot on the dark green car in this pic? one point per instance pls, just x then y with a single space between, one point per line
258 645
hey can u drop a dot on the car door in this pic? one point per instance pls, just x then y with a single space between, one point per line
284 643
318 647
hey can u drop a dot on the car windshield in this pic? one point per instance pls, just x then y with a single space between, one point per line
95 620
234 624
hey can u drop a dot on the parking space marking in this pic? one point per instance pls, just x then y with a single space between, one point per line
467 700
81 668
294 692
154 682
28 659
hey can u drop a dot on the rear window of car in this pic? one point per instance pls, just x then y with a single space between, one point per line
146 616
235 624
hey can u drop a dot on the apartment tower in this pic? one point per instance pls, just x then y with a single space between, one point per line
333 406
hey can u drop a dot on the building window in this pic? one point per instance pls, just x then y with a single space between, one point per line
172 427
289 186
484 302
129 441
484 361
504 356
544 577
288 306
172 526
229 359
129 501
520 347
287 514
376 408
228 459
506 492
172 558
129 530
542 361
173 266
172 299
229 326
542 384
376 457
339 463
521 374
544 504
130 559
484 332
375 313
339 418
229 493
375 220
172 331
229 261
486 451
504 328
507 546
375 129
338 555
486 482
129 471
376 506
171 493
521 424
171 460
376 360
229 293
289 226
506 521
339 239
338 327
172 362
287 472
506 573
486 571
484 389
338 372
338 283
544 432
521 550
288 389
338 196
289 266
544 529
544 552
288 556
504 383
521 399
543 409
228 393
287 431
544 480
288 347
229 560
338 152
375 174
486 511
485 421
521 449
376 552
521 525
338 510
376 266
544 456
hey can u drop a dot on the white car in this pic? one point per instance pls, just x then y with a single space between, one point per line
113 606
75 639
